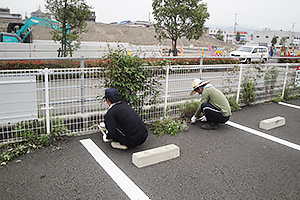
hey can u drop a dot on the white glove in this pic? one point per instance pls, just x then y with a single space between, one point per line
193 119
203 119
102 124
104 137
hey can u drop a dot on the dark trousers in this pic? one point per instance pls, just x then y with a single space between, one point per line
212 114
124 140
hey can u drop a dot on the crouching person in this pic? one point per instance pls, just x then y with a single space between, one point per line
213 105
125 127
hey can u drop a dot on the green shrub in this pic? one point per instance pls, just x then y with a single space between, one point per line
170 126
289 60
135 82
291 92
277 99
233 104
31 140
189 108
103 62
249 92
38 64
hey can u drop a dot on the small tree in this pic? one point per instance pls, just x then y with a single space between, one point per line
135 82
219 35
175 19
72 14
282 41
274 40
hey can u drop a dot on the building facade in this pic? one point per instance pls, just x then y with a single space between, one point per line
37 13
244 36
5 14
264 38
40 14
230 36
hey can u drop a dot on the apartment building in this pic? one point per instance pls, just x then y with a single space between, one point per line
230 36
5 14
264 38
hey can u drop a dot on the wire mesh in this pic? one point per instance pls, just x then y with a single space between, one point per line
75 94
261 83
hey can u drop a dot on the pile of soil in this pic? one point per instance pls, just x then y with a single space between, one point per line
101 32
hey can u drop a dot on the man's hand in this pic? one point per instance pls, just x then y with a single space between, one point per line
102 124
104 135
193 119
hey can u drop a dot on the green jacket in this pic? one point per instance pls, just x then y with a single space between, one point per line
216 98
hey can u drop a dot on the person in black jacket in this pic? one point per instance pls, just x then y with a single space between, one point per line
125 127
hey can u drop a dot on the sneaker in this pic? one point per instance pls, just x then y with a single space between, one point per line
117 145
209 126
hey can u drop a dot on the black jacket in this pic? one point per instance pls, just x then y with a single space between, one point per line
125 125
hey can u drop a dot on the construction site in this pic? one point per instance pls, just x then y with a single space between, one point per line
135 35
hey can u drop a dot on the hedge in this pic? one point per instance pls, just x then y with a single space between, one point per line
41 64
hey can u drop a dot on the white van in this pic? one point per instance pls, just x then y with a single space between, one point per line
248 54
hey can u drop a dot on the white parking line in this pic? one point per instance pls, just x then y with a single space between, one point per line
264 135
128 186
289 105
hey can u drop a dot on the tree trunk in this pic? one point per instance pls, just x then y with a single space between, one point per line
64 31
174 42
64 41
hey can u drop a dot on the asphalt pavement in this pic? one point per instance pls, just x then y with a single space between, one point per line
228 163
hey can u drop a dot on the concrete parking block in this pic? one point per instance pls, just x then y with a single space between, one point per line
156 155
271 123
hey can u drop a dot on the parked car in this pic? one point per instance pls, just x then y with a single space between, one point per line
248 54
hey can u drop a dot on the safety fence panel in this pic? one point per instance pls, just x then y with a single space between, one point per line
74 98
20 110
69 100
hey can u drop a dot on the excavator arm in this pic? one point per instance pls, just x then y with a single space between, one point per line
26 28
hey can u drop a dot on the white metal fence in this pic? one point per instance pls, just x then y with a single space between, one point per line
47 99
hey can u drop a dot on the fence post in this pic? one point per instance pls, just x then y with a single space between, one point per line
82 83
201 63
46 70
285 79
166 91
239 84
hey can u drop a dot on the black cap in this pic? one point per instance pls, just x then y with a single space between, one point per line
110 92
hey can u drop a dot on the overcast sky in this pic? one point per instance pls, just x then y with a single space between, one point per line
253 14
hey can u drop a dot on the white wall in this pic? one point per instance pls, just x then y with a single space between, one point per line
48 49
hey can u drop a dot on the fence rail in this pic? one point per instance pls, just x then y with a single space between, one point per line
43 99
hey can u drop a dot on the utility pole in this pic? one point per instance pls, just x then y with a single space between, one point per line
292 30
234 27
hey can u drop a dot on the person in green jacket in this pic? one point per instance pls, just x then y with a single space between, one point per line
214 106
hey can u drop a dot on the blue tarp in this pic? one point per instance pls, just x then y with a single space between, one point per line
123 22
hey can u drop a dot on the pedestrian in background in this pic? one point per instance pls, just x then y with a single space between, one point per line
271 50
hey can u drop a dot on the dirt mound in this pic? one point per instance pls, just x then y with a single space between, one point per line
137 35
123 33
